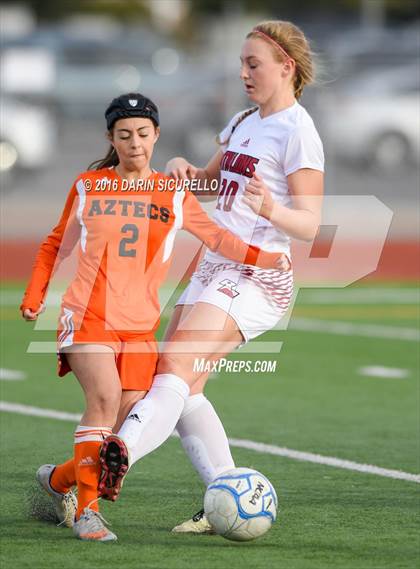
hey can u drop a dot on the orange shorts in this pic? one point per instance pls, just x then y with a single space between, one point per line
136 355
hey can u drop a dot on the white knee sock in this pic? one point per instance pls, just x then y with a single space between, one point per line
152 420
204 439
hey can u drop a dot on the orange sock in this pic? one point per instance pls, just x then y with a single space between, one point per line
88 441
64 477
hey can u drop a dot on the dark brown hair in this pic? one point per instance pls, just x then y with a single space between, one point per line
111 159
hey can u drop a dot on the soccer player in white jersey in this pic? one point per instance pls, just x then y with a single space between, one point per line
270 165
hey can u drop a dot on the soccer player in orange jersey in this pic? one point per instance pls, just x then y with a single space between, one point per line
123 221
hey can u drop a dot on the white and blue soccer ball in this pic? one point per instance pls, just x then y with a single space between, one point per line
241 504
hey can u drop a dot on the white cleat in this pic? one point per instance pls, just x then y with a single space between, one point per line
197 524
91 527
65 504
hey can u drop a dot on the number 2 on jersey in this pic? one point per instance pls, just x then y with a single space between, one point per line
127 228
227 194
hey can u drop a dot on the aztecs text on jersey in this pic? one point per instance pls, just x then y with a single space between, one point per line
123 241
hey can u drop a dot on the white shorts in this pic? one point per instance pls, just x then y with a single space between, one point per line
255 298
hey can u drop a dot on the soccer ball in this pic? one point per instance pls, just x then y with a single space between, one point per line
241 504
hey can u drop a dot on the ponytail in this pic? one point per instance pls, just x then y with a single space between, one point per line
237 123
111 159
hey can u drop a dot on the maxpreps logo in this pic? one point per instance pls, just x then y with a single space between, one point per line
228 287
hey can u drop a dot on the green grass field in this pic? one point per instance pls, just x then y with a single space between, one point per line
317 401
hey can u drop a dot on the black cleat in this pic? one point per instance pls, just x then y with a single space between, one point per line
113 457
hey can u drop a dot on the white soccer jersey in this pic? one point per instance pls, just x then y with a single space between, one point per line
274 147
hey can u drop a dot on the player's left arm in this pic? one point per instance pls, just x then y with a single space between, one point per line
180 169
197 222
306 187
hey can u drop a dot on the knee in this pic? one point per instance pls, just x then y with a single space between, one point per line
129 399
106 404
199 385
173 363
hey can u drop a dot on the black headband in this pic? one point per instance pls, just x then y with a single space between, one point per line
131 105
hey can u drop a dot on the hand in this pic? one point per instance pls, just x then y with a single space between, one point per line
268 260
28 315
258 197
284 263
180 169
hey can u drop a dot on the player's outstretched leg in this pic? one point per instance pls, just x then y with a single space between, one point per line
149 423
204 440
197 524
65 504
113 457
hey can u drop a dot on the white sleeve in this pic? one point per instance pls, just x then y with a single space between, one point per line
304 150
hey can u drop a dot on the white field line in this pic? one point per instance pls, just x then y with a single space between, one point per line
384 372
11 374
345 295
360 296
239 443
351 329
326 460
39 412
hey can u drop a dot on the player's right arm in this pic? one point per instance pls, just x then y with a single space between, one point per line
180 169
216 238
33 298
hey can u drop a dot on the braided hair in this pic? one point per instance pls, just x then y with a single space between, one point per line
237 123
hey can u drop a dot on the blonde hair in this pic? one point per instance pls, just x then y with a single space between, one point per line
292 41
243 116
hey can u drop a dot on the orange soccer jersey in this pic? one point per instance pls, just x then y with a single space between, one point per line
125 238
125 246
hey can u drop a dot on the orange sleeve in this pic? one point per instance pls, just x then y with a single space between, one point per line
47 254
197 222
